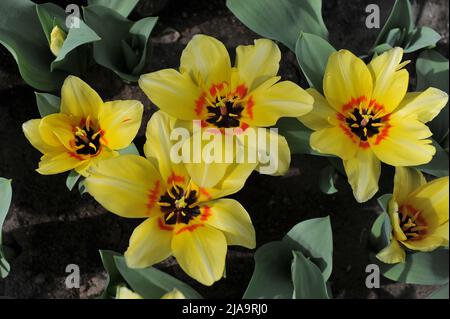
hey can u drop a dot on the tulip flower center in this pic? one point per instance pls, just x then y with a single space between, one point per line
411 223
87 139
224 112
364 123
179 205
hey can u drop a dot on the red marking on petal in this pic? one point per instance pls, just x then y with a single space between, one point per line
126 120
364 144
244 126
200 104
190 228
384 132
348 132
75 155
353 103
204 192
153 194
178 179
241 91
206 213
163 225
249 106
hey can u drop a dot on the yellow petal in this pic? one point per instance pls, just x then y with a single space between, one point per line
123 292
390 81
284 99
31 131
57 37
206 60
232 219
150 243
59 162
129 186
430 242
363 172
200 250
257 63
392 254
173 294
233 180
272 150
57 130
159 145
346 77
406 181
404 144
173 92
335 140
320 114
103 153
394 217
120 121
425 105
79 99
432 200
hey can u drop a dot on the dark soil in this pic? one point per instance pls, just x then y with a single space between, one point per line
50 227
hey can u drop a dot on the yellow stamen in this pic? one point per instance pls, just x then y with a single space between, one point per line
355 125
365 131
412 234
170 216
93 146
377 124
170 193
220 118
193 204
163 204
352 116
419 228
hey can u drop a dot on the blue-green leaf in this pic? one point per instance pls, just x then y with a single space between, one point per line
272 265
314 239
432 71
114 278
151 283
122 7
281 20
307 279
326 180
72 179
130 149
312 54
422 37
47 103
441 293
399 18
439 164
5 202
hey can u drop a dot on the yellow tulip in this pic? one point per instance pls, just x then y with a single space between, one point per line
183 219
57 37
123 292
209 89
367 117
85 131
418 212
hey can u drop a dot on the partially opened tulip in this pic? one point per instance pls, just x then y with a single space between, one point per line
85 131
183 219
418 212
367 117
209 89
123 292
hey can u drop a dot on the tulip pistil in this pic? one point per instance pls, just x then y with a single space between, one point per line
364 123
179 205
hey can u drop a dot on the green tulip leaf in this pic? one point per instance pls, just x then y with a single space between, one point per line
47 103
439 164
5 202
326 180
312 54
128 60
422 37
432 71
314 239
49 15
379 49
307 278
151 283
421 268
22 34
441 293
281 20
72 179
130 149
114 278
122 7
272 265
399 18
